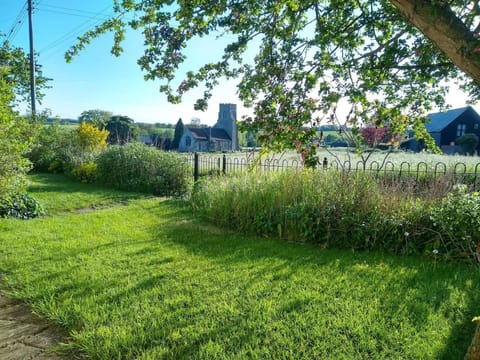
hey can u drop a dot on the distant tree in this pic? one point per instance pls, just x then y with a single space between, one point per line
251 138
329 127
162 141
330 138
179 130
121 130
97 117
468 142
373 135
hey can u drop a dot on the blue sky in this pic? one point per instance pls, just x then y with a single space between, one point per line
98 80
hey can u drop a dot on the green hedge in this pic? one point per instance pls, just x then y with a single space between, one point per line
137 167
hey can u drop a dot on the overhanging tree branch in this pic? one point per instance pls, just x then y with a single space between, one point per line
442 26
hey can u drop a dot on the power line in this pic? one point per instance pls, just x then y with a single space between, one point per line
77 31
17 24
70 11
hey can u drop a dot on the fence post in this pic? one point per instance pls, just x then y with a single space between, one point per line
224 164
195 167
325 162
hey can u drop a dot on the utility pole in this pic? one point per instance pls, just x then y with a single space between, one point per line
32 59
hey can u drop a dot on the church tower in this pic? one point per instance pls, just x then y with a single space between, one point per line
227 120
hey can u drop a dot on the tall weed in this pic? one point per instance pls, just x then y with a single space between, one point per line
339 209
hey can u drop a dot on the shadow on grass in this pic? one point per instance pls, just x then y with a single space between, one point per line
59 183
57 193
418 285
412 287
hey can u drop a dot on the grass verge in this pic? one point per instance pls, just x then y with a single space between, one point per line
148 281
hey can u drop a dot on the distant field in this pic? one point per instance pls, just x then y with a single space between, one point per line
342 155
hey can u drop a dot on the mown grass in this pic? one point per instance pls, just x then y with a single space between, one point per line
57 194
146 280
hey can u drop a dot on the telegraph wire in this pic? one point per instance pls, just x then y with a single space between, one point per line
77 31
17 24
70 11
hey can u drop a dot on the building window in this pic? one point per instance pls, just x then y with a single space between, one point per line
188 141
475 127
461 129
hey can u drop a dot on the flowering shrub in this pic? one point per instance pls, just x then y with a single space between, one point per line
90 138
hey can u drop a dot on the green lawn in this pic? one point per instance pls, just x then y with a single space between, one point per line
134 277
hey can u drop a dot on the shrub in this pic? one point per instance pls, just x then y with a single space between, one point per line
468 142
21 206
55 167
14 139
89 138
456 222
85 173
47 142
60 149
137 167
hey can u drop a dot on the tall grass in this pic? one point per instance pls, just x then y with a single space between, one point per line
334 209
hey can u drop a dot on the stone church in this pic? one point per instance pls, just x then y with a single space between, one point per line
223 136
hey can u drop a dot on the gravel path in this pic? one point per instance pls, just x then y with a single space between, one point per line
23 335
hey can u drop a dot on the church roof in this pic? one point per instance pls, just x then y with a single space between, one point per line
204 133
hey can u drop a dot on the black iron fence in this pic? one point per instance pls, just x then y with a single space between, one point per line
208 164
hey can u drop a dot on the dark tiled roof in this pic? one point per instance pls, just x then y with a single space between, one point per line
439 121
215 134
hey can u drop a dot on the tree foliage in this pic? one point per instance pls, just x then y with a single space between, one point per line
179 130
16 132
14 141
311 57
121 130
468 142
96 116
18 75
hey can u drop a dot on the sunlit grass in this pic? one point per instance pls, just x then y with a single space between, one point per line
145 280
58 193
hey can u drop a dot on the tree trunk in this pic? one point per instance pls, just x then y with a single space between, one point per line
473 352
451 36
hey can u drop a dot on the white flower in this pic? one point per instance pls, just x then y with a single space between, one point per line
407 233
435 252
